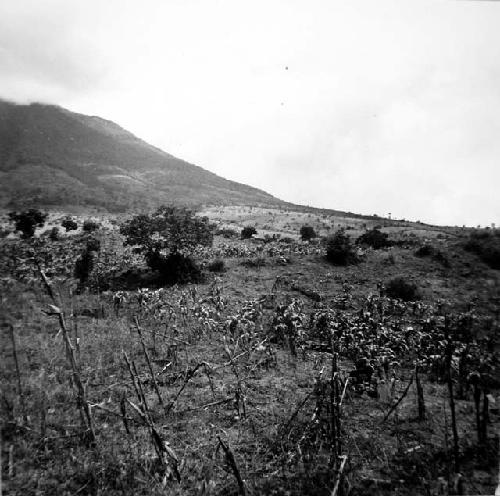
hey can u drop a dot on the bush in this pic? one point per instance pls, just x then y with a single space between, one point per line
69 224
247 232
90 225
54 234
437 255
307 233
175 230
254 263
227 233
399 288
217 266
486 245
28 221
339 250
374 238
175 268
425 251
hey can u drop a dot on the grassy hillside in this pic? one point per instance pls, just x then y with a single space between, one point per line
261 380
52 157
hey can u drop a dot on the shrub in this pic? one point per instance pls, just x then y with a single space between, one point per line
399 288
437 255
425 251
90 225
69 224
486 245
28 221
247 232
174 230
86 262
217 266
227 233
339 250
374 238
54 234
307 233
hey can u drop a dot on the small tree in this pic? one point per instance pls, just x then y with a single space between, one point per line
339 250
307 233
400 288
69 224
374 238
90 225
28 221
247 232
167 239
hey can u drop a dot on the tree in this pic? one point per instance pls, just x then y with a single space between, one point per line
167 239
90 225
28 221
339 250
247 232
307 233
374 238
69 224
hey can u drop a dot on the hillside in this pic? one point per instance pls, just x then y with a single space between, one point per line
52 157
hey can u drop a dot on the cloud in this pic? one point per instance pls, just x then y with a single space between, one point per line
365 106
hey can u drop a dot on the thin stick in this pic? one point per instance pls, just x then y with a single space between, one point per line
18 372
405 392
339 475
155 384
81 395
234 467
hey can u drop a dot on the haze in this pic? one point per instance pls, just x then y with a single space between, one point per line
370 107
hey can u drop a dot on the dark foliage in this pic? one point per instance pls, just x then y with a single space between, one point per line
28 221
254 263
69 224
339 250
374 238
54 234
227 233
428 250
90 225
307 233
485 244
175 268
401 289
217 266
174 230
247 232
86 262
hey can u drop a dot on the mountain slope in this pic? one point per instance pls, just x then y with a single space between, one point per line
50 156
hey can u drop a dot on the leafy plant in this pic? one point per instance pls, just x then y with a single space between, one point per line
401 289
339 250
90 225
69 224
247 232
167 238
307 233
374 238
28 221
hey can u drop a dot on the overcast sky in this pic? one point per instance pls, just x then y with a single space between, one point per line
367 106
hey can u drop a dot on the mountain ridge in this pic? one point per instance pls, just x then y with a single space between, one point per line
52 157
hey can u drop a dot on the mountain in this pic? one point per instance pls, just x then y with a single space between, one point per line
52 157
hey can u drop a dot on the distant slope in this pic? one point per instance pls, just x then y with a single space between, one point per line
52 157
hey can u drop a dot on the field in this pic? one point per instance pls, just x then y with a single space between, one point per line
279 374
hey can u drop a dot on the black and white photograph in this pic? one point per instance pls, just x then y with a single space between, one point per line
249 248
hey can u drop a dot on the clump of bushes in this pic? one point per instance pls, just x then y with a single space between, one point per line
217 266
28 221
428 250
307 233
247 232
168 238
90 225
485 244
69 224
401 289
374 238
339 249
227 233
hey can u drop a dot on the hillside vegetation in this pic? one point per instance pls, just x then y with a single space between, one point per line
279 373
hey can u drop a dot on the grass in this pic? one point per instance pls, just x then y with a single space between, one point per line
245 389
